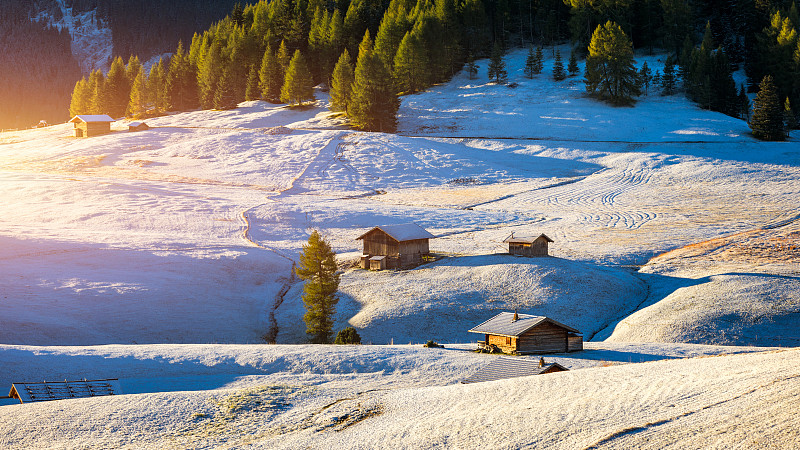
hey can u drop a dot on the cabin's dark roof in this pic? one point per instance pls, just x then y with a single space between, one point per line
61 390
526 239
402 232
503 368
90 118
504 324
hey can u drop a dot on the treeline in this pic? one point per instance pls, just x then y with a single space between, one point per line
37 70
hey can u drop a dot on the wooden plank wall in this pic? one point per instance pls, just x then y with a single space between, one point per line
501 343
379 243
544 338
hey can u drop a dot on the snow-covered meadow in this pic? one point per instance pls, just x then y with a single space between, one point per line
164 258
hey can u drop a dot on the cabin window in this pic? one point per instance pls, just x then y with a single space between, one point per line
508 341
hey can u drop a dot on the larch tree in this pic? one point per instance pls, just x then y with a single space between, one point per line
270 76
225 94
157 87
117 89
251 90
610 71
409 64
298 85
81 102
767 120
319 271
342 83
137 106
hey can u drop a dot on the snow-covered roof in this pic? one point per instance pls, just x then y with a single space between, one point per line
134 124
503 368
402 232
377 258
91 118
61 390
504 324
526 239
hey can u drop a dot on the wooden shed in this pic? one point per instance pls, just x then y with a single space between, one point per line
62 390
138 126
91 125
402 245
528 246
522 333
504 368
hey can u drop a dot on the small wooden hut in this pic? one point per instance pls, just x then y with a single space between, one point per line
138 126
528 246
504 368
401 245
522 333
91 125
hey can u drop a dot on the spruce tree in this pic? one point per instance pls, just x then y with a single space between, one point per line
284 58
472 68
374 101
744 104
645 78
225 95
668 83
209 71
410 64
132 69
529 63
538 61
572 67
319 271
497 67
767 120
252 91
181 88
610 72
81 102
117 90
137 106
298 86
270 76
157 87
342 83
789 118
558 67
98 103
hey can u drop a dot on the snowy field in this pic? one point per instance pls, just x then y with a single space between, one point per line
164 258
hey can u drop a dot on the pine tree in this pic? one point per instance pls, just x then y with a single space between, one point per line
342 83
558 67
252 90
409 64
209 71
497 67
668 78
572 67
374 102
157 87
181 87
767 119
117 90
298 86
270 76
610 71
645 78
789 119
225 95
319 271
137 106
529 63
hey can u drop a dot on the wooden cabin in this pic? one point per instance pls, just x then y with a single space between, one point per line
91 125
528 246
523 333
138 126
503 368
401 245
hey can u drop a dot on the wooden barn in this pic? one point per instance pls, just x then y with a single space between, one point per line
522 333
91 125
401 245
528 246
138 126
503 368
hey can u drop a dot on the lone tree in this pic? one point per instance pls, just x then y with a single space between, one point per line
767 118
572 67
497 67
610 71
558 67
318 269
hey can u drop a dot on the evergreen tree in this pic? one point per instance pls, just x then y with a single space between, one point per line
137 106
298 86
182 82
538 61
252 90
767 120
346 336
99 100
209 71
645 78
342 83
374 101
117 90
389 37
685 60
497 67
81 102
132 69
410 64
572 67
610 71
558 68
284 58
529 63
157 87
319 271
668 84
225 94
789 119
472 68
744 104
270 76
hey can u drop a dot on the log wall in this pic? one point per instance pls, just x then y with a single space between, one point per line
544 338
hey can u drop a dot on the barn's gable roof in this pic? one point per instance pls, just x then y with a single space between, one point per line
402 232
526 239
503 368
61 390
504 324
90 118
